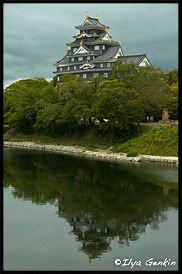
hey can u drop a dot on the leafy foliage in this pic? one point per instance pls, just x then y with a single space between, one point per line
36 105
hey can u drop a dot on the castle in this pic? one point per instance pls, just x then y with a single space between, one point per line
93 52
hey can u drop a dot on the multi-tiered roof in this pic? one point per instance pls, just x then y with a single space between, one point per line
92 53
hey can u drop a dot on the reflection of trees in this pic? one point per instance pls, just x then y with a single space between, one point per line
98 201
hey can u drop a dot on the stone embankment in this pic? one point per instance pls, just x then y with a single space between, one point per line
105 155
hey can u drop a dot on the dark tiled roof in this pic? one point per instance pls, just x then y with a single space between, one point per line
64 60
95 21
110 52
134 58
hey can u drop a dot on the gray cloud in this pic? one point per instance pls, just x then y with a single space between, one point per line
35 35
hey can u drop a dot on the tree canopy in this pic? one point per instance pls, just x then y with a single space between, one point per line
126 99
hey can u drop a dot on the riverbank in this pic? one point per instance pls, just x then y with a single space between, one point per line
99 154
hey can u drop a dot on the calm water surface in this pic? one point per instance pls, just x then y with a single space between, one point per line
68 213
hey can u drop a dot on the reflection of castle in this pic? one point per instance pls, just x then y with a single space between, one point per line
95 239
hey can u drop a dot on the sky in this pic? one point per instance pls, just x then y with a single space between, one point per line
35 35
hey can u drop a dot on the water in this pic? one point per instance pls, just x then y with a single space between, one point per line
67 213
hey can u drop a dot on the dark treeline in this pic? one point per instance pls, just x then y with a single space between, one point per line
38 106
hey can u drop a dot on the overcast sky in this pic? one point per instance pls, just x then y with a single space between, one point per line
35 35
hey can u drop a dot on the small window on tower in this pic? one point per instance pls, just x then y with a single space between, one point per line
72 59
68 68
96 47
74 67
80 58
88 57
84 76
108 65
103 47
60 69
101 65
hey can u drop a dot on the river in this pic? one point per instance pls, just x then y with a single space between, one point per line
62 212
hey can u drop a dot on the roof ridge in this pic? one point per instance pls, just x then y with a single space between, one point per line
134 55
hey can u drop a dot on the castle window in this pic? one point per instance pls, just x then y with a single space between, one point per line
95 74
101 65
60 69
88 57
96 47
68 68
105 74
74 67
108 65
72 59
103 47
84 76
74 49
58 78
80 58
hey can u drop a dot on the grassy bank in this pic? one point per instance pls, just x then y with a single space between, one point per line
162 141
90 144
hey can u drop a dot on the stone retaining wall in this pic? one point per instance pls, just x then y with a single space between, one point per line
100 154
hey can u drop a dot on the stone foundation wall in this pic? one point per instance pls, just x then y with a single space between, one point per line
100 154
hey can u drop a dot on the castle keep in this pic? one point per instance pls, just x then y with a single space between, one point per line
93 52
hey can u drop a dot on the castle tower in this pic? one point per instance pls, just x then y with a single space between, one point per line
93 52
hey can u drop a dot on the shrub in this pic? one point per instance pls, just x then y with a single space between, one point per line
132 153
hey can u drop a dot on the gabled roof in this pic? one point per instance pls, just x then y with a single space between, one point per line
91 22
135 58
96 21
102 36
85 47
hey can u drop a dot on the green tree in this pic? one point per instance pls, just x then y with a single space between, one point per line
119 104
150 82
172 77
77 97
20 100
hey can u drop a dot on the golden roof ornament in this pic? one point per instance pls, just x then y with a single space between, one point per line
119 43
106 30
87 16
83 31
97 17
81 42
68 48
